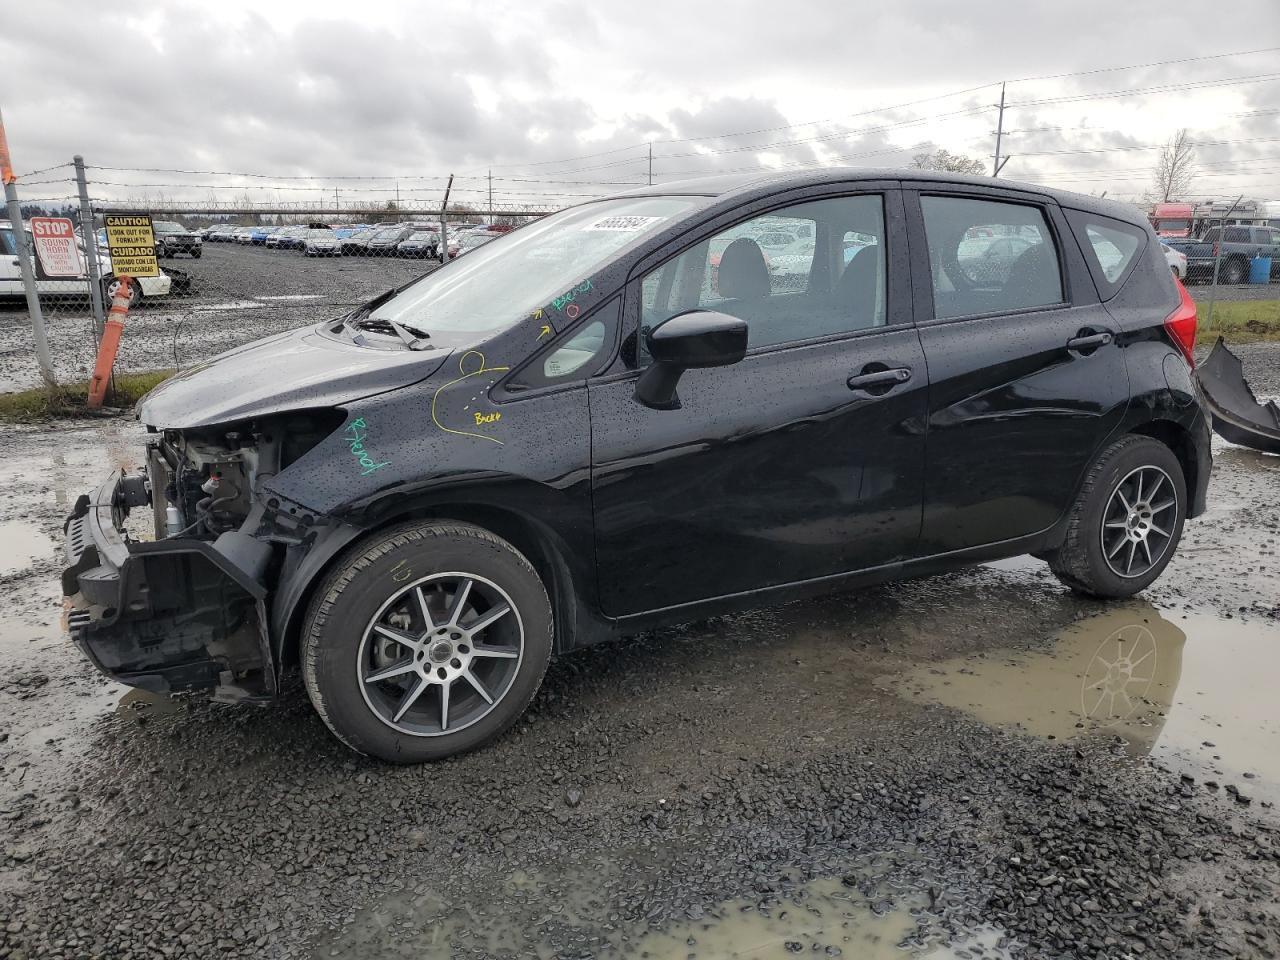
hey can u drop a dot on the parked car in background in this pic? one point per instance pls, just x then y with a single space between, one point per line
11 286
382 242
321 242
1231 247
420 243
172 238
258 235
221 233
396 522
356 243
1176 259
244 235
283 238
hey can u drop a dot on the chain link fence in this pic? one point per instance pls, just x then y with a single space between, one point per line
231 271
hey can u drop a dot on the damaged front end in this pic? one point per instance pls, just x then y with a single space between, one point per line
188 610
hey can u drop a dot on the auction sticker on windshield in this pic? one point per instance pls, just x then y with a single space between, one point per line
131 244
624 224
57 254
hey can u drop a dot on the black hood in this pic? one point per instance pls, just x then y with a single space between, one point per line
297 370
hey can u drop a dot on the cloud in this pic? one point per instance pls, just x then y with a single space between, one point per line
322 89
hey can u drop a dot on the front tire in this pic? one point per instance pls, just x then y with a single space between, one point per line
430 641
1126 522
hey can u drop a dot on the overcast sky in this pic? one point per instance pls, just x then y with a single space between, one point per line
573 92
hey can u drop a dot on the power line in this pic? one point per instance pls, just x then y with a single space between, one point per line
1143 66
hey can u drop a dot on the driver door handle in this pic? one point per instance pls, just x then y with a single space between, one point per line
880 378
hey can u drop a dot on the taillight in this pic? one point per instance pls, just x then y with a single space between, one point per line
1215 249
1181 324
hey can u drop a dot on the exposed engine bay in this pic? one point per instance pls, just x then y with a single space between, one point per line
187 610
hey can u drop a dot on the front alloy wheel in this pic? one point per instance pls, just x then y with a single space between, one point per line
441 654
429 640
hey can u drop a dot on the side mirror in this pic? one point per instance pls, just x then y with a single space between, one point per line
699 338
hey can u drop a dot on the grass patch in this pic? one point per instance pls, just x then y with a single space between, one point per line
70 399
1239 321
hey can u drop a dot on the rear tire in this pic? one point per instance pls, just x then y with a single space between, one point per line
1126 523
1233 273
399 668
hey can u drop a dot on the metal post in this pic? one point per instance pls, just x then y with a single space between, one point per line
651 163
491 198
89 228
997 166
43 358
1217 259
444 223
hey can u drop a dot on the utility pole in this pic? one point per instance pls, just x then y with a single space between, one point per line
491 198
43 359
651 163
999 163
1217 260
89 228
444 224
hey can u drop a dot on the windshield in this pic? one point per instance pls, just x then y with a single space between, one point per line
168 226
320 232
423 235
1173 224
526 269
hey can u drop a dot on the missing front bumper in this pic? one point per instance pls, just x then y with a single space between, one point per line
170 615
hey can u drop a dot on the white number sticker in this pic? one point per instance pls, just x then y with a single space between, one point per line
624 224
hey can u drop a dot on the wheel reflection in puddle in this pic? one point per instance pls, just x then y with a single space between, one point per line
1192 689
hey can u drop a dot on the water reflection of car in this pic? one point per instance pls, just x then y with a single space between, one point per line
984 261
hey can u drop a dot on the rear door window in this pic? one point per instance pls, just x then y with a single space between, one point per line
989 256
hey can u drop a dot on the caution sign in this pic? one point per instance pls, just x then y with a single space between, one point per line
57 253
131 244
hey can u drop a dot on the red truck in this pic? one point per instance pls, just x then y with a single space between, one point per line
1172 219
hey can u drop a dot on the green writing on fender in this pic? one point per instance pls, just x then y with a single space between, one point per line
357 430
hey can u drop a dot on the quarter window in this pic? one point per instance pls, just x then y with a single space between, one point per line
806 271
989 256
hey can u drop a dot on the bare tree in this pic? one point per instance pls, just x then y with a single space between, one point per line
949 162
1175 168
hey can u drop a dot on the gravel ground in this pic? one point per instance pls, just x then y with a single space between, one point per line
692 784
238 293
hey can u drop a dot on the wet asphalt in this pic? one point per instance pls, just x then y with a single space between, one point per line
882 773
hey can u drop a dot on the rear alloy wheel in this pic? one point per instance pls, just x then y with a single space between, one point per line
1233 273
1126 522
430 641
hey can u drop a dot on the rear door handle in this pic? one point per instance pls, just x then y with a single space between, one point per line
879 378
1090 341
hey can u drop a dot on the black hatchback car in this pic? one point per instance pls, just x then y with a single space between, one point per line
630 413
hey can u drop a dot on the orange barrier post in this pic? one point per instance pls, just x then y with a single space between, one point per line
110 344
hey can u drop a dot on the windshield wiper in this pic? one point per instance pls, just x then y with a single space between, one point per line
360 319
411 336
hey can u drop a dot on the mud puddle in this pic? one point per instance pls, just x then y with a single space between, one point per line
21 544
1194 691
863 914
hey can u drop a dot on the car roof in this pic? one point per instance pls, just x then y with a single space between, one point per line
744 186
